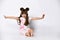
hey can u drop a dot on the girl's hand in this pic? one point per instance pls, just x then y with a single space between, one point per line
43 15
5 17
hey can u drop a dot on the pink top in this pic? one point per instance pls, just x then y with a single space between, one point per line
22 23
22 26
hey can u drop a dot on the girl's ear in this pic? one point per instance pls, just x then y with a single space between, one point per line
27 9
21 8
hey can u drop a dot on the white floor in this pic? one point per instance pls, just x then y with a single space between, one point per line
11 32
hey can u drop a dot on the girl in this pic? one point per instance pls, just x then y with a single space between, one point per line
23 21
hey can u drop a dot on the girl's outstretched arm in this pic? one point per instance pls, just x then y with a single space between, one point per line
11 17
38 18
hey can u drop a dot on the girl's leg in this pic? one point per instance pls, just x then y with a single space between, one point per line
27 34
30 32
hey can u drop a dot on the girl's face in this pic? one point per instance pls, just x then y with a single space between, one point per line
24 15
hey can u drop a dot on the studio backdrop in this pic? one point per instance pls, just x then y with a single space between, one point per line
45 29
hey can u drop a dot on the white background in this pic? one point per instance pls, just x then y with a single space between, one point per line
46 29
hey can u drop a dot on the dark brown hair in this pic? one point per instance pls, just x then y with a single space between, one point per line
24 11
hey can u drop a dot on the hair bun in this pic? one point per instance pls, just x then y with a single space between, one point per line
21 8
27 9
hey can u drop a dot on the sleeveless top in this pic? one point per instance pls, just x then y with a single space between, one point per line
22 26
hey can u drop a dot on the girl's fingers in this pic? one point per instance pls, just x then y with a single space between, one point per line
4 16
43 14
